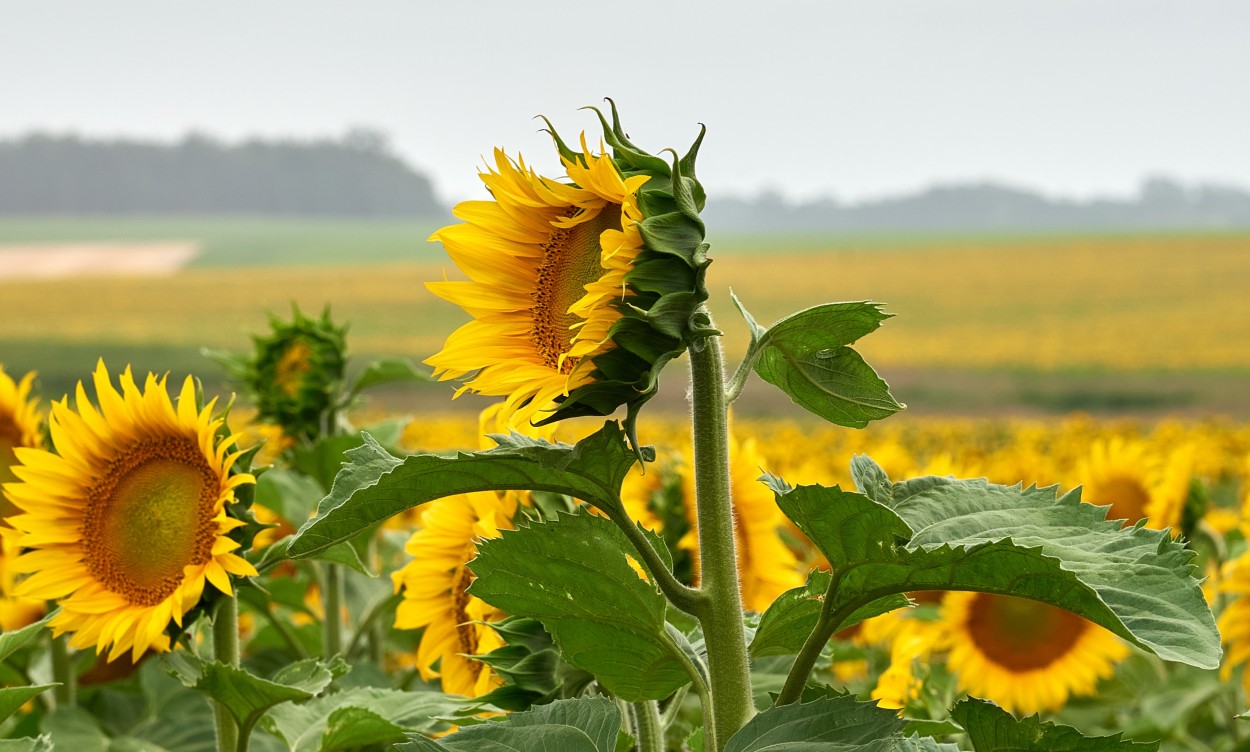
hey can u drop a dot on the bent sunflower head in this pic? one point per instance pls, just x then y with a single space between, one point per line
580 290
128 519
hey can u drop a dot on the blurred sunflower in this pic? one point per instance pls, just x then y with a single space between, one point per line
434 586
565 278
1025 655
1234 620
20 426
1136 483
123 525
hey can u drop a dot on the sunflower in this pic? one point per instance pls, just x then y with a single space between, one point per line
434 586
20 426
1137 483
579 289
123 525
1025 655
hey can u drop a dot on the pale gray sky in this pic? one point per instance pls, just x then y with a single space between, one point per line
854 98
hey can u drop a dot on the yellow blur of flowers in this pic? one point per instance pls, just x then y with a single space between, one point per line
546 261
125 523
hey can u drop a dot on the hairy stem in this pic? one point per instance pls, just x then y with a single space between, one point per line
226 650
678 593
720 613
331 601
649 730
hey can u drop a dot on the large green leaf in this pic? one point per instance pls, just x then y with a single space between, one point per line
358 717
992 729
807 356
830 723
13 698
574 576
947 534
247 697
582 725
11 642
376 485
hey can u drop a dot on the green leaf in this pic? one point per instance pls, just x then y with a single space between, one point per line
74 728
947 534
694 742
247 697
388 371
807 356
582 725
828 723
573 575
11 642
361 716
790 618
376 485
41 743
13 698
992 729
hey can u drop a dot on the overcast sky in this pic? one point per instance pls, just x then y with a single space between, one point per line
853 99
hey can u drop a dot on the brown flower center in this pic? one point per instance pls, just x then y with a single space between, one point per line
148 517
1020 634
1129 500
570 262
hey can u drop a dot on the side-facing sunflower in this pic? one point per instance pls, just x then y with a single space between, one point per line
434 586
1025 655
125 522
580 289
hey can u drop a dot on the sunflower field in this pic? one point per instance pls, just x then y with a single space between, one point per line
581 569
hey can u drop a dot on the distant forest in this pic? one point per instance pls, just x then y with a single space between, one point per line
1160 204
357 175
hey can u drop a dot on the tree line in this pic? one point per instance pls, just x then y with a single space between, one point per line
355 175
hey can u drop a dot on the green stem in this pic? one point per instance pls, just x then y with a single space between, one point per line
226 650
365 630
673 708
649 730
682 596
284 632
720 613
826 625
66 692
331 600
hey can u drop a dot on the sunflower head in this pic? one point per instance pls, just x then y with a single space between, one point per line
295 373
20 426
582 289
130 517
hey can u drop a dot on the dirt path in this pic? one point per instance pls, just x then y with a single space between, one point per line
61 260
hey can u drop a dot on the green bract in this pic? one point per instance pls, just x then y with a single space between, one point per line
666 282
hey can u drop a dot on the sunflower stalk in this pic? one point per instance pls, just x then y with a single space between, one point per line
648 728
720 613
66 692
331 601
226 650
